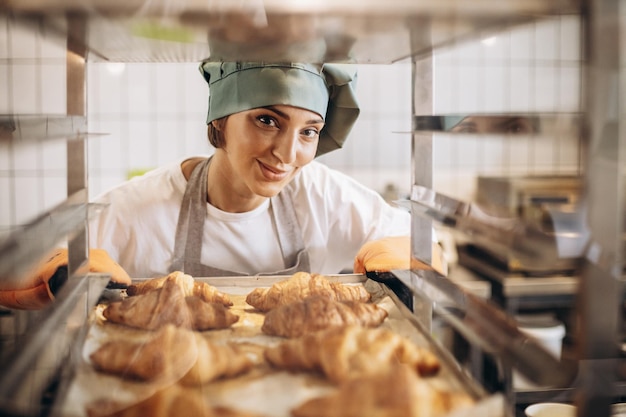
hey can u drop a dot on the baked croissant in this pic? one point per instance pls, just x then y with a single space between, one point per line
395 392
189 285
171 401
302 285
172 354
216 361
319 313
343 353
168 305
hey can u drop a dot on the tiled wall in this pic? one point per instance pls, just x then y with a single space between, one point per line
530 69
32 81
155 113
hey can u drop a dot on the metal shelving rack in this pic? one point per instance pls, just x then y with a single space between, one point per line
361 32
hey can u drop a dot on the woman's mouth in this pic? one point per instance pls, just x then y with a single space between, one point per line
272 173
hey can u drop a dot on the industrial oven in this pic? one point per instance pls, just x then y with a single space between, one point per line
533 225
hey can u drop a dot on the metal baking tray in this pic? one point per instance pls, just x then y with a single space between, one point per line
274 394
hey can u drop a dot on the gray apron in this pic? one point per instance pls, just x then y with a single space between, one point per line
189 231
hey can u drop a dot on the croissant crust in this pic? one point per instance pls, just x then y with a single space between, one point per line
348 352
172 353
168 305
393 392
190 287
319 313
302 285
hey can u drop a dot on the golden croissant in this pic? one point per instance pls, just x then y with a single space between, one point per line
342 353
319 313
189 285
172 354
168 305
302 285
394 392
171 401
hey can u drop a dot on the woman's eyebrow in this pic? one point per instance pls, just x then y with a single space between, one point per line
286 116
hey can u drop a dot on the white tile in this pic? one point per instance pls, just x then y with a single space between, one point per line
169 95
443 145
28 199
23 42
520 89
4 39
167 141
469 90
54 156
141 146
569 87
6 202
570 33
26 89
141 86
545 89
6 88
53 46
521 43
444 86
54 192
53 82
518 156
469 51
111 93
6 155
27 156
547 39
494 98
495 49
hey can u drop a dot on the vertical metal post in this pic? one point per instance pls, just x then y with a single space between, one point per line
601 291
77 183
422 155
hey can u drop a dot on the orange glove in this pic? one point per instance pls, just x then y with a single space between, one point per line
389 253
36 291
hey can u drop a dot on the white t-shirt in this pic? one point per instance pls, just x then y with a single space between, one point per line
336 214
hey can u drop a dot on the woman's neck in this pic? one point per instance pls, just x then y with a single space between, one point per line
224 189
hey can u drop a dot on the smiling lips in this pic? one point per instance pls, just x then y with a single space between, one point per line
273 174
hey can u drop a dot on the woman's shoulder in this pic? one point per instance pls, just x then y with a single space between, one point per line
324 179
315 172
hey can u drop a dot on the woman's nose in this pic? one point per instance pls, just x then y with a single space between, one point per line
286 147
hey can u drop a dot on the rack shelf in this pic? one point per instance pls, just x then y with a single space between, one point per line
355 31
35 240
43 127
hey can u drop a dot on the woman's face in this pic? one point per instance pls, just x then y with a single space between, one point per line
267 146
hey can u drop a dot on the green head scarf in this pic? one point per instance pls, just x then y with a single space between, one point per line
327 90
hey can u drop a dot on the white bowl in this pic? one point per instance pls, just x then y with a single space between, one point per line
550 410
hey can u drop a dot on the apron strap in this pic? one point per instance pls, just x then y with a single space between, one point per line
287 226
188 240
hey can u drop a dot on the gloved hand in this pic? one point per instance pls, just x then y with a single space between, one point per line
389 253
36 290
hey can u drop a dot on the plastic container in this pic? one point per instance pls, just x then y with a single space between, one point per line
548 332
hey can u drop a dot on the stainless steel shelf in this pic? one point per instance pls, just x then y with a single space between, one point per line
26 246
43 127
485 325
355 31
549 125
513 242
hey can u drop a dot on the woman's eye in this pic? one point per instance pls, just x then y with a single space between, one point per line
267 120
310 133
519 127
